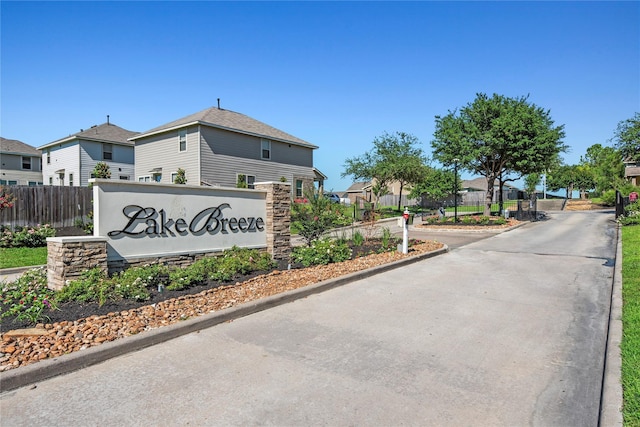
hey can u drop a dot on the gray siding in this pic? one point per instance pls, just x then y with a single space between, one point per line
234 144
222 170
163 151
13 162
91 154
11 169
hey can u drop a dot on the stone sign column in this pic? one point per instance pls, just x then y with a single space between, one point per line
278 221
69 257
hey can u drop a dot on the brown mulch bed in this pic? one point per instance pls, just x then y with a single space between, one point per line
88 325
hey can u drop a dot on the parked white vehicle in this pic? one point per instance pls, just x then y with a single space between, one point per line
337 199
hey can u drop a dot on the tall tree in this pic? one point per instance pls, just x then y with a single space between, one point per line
394 158
436 184
495 136
571 177
627 138
606 166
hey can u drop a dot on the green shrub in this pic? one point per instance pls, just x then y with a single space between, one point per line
357 238
28 297
321 252
95 286
388 241
315 215
631 214
29 237
609 198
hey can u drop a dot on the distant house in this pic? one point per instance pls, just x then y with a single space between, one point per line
474 190
19 163
70 161
223 148
361 190
632 171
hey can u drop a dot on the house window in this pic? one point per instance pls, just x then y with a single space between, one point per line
182 138
299 188
144 178
156 177
11 182
3 182
48 157
70 180
245 181
266 149
26 163
174 175
50 180
107 151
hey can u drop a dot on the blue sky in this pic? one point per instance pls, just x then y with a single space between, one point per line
336 74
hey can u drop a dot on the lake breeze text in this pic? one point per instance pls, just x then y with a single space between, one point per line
210 220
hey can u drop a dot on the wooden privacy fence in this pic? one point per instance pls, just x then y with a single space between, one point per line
56 206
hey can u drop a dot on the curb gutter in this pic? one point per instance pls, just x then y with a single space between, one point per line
49 368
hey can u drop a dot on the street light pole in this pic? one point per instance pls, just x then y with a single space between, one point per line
455 190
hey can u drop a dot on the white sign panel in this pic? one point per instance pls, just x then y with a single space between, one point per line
151 219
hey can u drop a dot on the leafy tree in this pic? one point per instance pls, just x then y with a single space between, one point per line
606 166
317 216
101 170
571 177
181 177
531 181
496 136
627 138
394 157
436 184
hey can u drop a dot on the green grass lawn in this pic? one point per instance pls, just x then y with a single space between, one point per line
630 347
22 257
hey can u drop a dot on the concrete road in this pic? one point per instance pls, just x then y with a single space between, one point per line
509 330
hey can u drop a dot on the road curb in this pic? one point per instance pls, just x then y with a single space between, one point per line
49 368
611 400
16 270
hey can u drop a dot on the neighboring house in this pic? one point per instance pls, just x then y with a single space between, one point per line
474 190
359 190
70 161
223 148
19 163
632 171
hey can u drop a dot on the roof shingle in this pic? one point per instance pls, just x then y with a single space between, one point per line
17 147
230 120
107 132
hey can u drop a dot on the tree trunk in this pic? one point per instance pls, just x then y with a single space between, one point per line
500 197
400 197
489 199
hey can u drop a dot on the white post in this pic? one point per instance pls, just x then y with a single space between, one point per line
405 231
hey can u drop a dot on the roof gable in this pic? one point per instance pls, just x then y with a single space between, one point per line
17 147
228 120
106 132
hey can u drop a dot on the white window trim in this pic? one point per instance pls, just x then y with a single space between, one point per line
30 163
104 146
144 178
182 133
262 149
246 177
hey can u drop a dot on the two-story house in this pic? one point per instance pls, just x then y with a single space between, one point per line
632 171
19 163
223 148
70 161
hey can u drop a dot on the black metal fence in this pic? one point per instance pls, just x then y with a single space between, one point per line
57 206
